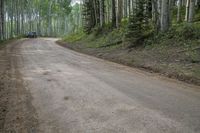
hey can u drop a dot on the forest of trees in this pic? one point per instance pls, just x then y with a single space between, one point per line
59 17
46 17
141 15
157 12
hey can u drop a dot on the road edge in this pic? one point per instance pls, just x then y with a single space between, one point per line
181 78
19 114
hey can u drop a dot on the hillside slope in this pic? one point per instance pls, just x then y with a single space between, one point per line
175 54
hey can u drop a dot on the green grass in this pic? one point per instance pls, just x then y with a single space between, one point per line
97 39
74 37
184 36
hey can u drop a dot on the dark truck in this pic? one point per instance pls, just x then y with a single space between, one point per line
31 35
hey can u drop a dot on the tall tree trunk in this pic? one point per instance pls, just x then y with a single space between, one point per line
11 21
155 15
179 11
129 7
18 17
119 12
95 12
191 10
165 15
2 19
125 8
187 10
49 20
114 20
102 12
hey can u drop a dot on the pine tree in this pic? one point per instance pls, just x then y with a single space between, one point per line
88 18
136 25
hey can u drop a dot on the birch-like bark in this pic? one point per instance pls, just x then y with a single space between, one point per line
191 11
165 15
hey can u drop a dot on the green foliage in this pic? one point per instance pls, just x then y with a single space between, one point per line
187 31
179 34
88 13
98 38
134 30
74 37
136 25
197 15
193 56
74 20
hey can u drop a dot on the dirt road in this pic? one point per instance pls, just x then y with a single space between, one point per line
56 90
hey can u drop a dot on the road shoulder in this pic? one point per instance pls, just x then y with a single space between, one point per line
127 58
16 111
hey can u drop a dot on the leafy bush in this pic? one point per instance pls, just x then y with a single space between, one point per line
188 31
74 37
181 34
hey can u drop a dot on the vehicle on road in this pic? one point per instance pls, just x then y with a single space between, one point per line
31 35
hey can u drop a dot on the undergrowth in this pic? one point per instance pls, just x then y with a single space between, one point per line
178 35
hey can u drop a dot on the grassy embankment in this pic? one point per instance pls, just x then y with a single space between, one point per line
175 54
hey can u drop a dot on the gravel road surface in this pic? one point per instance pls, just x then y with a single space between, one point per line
58 90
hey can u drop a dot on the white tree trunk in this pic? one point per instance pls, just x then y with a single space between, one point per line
102 20
165 15
187 10
191 10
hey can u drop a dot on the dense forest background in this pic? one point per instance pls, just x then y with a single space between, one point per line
46 17
138 19
60 17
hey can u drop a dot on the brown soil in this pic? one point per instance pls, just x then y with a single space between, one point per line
17 114
4 92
